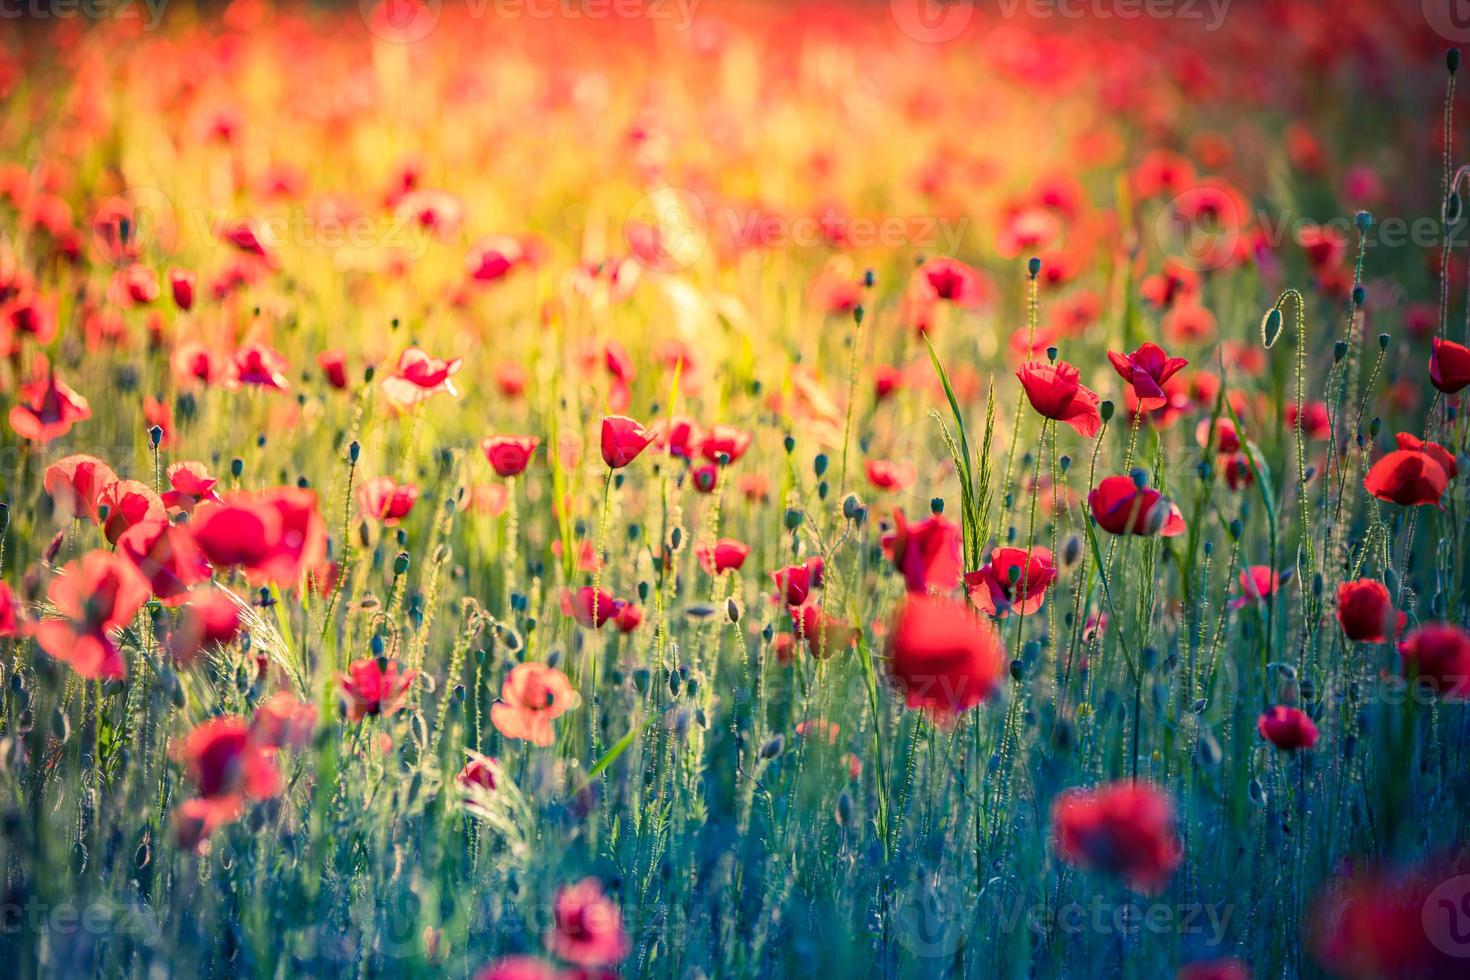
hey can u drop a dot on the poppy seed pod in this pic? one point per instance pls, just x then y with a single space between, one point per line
1364 220
1033 266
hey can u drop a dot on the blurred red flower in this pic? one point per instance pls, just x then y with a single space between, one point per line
1124 829
927 554
532 697
1121 506
1366 612
96 595
1287 728
375 686
944 657
509 455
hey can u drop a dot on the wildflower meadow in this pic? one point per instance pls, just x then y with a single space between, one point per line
552 489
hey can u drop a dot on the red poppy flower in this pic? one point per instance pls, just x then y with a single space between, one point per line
590 608
333 364
418 376
10 612
126 503
1146 370
509 455
1439 655
622 440
1366 612
190 485
167 555
532 697
1124 829
628 617
46 409
1012 581
1415 474
724 444
75 484
927 554
274 535
795 582
824 634
375 687
1120 506
1056 392
210 618
229 765
1257 583
1188 323
384 499
1287 728
193 363
95 595
479 773
1316 421
944 657
181 285
705 478
588 927
257 364
1227 437
953 281
678 436
283 720
1449 365
724 555
886 475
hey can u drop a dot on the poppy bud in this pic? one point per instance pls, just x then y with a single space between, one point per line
1106 410
1339 350
1270 327
1365 220
4 517
790 443
1452 208
733 610
773 747
857 315
851 505
354 450
869 279
1033 266
1383 341
1374 425
1452 60
1051 353
1236 529
793 518
400 564
936 505
1359 295
844 809
819 464
1072 550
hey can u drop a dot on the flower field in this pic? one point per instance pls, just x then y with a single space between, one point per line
577 488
